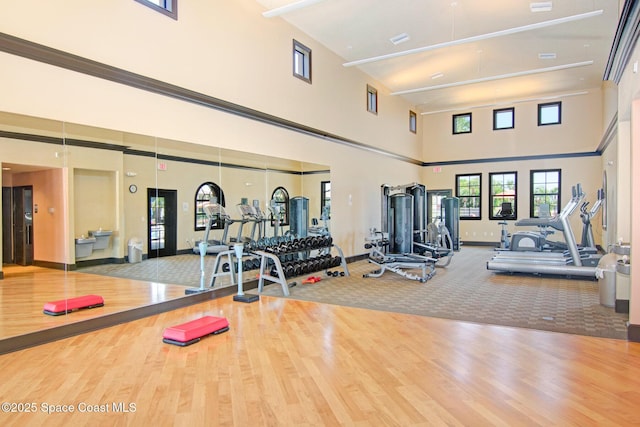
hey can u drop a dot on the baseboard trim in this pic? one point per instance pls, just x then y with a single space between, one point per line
622 306
52 265
44 336
633 333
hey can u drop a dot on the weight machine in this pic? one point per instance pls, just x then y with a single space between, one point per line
406 245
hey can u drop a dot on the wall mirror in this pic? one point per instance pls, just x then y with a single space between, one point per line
135 194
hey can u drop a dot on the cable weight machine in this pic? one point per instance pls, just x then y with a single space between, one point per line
406 245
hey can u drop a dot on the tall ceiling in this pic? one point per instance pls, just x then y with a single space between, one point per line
463 53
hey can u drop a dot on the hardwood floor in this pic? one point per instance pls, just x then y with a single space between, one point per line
287 362
25 290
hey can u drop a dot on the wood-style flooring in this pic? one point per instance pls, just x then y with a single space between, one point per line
25 290
288 363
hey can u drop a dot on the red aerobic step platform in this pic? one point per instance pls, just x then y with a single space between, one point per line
63 306
191 332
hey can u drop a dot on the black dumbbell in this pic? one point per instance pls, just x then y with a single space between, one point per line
274 271
288 271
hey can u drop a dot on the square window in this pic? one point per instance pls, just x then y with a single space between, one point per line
549 114
413 121
461 123
503 118
372 99
301 61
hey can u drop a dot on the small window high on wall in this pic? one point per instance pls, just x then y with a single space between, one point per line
461 123
166 7
503 118
413 122
550 113
301 61
372 99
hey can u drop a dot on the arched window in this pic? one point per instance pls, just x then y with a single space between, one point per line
208 192
280 197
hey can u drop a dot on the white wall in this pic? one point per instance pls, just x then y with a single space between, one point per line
207 51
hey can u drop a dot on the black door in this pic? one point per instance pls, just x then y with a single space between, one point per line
162 222
7 227
23 225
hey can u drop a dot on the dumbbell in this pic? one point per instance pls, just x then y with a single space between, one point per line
289 271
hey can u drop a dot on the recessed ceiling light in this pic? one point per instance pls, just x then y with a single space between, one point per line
550 55
541 6
400 38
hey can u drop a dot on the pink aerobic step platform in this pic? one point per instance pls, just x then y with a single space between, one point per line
191 332
56 308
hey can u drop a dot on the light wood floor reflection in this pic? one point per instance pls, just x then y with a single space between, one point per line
25 290
287 362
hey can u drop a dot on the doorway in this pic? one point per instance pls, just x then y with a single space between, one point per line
434 204
162 222
17 225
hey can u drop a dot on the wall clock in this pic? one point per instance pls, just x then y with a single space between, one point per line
133 188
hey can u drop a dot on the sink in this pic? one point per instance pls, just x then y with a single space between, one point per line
100 233
84 246
102 237
621 249
623 267
85 240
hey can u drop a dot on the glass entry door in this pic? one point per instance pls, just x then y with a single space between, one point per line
162 220
434 204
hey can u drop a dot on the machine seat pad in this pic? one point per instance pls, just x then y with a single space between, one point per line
191 332
540 222
55 308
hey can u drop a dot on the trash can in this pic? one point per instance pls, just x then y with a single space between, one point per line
606 274
623 285
134 254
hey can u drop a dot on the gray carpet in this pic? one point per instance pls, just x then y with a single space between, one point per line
176 270
465 290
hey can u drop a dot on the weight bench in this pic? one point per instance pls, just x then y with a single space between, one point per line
191 332
64 306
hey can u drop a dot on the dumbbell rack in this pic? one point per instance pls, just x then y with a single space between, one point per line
270 260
